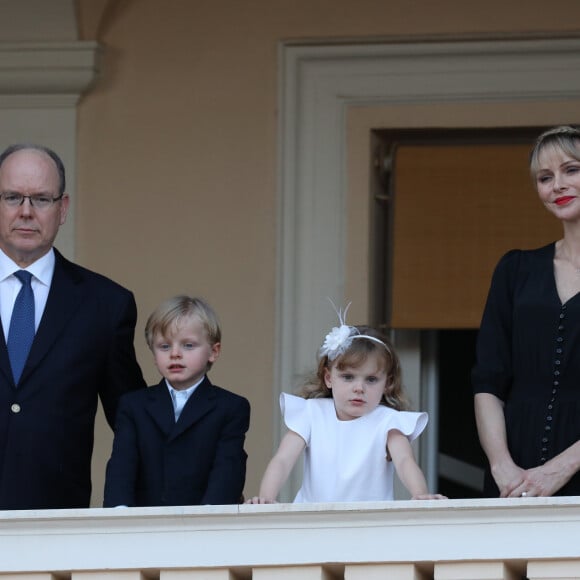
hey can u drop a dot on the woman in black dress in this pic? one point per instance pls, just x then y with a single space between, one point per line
527 375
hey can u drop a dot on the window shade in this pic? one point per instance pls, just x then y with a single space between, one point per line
457 209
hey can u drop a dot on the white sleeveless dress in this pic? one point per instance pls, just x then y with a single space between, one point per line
346 460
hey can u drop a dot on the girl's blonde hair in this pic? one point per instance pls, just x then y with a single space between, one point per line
355 356
564 138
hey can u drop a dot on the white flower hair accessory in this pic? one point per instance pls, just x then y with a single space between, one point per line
339 339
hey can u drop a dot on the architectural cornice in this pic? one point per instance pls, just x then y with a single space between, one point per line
46 74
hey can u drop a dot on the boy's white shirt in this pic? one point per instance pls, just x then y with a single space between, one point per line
179 398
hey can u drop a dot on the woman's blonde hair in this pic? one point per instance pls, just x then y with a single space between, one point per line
564 138
355 356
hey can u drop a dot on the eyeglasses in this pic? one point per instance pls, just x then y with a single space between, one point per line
38 201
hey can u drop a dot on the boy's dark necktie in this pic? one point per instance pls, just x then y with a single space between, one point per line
21 331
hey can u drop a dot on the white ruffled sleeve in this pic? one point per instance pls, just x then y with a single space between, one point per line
296 415
409 423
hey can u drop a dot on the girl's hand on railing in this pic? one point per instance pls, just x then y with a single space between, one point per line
259 500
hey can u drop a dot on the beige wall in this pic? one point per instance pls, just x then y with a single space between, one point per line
177 152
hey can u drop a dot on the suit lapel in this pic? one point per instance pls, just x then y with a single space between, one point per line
160 407
5 368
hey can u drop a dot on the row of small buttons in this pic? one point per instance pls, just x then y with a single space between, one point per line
555 384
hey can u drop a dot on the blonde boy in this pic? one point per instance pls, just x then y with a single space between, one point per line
180 442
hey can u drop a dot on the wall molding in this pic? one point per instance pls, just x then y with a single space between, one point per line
46 74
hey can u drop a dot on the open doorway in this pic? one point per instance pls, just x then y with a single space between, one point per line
461 461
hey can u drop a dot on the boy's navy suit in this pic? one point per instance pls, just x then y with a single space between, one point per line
198 460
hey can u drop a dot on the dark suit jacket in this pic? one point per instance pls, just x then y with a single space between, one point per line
197 461
83 349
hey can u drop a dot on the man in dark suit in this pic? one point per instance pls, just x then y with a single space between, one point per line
82 343
180 442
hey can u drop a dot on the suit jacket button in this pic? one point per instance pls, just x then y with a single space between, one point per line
15 408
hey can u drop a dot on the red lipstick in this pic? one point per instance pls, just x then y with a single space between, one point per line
564 200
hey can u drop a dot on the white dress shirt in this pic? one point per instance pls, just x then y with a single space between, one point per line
42 271
179 398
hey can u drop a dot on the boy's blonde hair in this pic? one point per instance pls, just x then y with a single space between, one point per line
355 356
564 138
170 313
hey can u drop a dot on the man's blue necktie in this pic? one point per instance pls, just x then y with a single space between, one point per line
21 331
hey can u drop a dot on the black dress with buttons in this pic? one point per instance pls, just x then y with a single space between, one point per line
528 355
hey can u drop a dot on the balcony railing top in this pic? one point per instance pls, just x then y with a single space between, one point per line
290 534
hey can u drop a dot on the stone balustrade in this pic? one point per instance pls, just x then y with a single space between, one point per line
511 539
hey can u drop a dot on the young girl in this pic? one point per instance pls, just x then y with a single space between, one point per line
351 423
